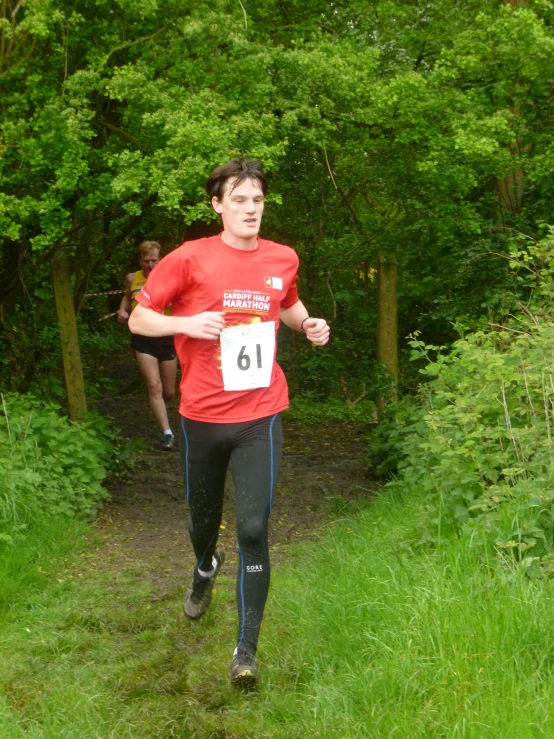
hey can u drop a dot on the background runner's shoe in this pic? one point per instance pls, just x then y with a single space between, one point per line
244 669
199 593
169 442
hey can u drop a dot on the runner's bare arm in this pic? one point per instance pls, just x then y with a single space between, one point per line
297 318
147 322
125 306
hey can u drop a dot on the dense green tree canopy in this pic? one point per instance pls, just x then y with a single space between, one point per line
387 126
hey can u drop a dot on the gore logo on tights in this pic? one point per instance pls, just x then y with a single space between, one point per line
254 568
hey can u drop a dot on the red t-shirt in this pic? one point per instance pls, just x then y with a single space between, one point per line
250 286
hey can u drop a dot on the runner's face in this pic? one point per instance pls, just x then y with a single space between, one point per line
149 261
241 208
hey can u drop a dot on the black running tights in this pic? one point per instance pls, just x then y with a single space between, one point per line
254 449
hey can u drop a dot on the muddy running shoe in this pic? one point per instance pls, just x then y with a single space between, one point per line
199 593
168 443
244 669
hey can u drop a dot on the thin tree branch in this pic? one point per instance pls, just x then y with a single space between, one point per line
420 56
528 313
21 61
512 330
329 167
122 134
342 195
82 288
245 16
3 42
345 392
348 254
332 298
15 11
139 40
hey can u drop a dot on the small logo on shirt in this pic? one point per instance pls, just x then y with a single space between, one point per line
254 568
275 282
146 294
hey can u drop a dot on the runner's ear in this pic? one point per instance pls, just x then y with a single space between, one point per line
216 204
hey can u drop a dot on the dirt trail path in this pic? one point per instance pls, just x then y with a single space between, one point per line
144 527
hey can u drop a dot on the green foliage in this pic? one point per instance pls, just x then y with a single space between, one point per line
479 443
386 128
532 263
388 447
50 466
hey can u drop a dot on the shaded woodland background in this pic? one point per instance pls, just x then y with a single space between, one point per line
415 131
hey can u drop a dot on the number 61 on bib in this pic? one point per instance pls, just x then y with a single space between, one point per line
247 355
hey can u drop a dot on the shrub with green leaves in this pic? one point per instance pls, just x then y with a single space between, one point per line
479 440
50 465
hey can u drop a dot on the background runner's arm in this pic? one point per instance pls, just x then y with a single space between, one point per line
125 306
296 317
148 322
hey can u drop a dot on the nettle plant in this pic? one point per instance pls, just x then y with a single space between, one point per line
488 446
50 465
480 442
533 265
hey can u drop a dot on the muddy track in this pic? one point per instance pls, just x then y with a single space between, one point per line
144 527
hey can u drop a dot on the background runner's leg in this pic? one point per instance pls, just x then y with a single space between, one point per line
168 376
255 461
205 459
150 370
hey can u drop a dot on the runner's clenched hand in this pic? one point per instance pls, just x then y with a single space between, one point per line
316 330
207 325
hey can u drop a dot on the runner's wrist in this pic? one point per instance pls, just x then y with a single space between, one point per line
185 326
302 324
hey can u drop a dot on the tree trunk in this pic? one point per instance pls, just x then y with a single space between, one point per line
510 188
387 339
71 355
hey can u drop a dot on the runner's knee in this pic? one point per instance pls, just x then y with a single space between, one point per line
154 387
168 393
252 533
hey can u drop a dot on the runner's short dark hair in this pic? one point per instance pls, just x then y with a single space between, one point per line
239 170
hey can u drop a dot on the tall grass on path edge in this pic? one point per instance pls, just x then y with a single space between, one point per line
380 636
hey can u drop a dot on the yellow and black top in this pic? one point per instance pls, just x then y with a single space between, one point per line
160 347
139 281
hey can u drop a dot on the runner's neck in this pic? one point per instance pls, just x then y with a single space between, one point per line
236 242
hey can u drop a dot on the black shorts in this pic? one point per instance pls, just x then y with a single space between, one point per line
161 347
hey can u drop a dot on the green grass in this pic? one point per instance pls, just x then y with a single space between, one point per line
367 634
389 640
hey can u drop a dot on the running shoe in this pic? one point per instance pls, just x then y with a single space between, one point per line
244 669
168 443
199 593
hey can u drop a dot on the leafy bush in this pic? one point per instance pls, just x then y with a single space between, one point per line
479 440
49 464
389 447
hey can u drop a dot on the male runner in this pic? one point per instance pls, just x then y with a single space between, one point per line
155 355
228 293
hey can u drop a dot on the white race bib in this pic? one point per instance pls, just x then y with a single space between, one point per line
247 355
